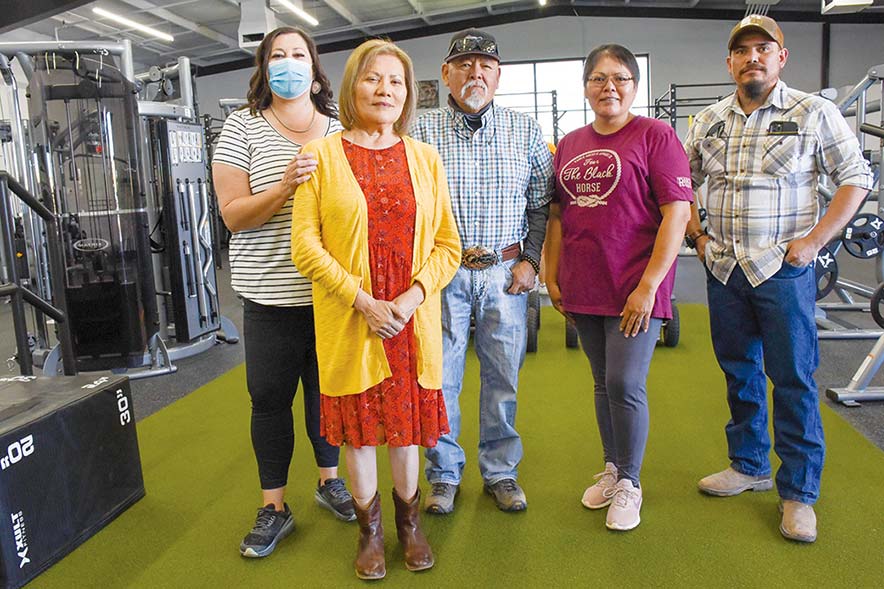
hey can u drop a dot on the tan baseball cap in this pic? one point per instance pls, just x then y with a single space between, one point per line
759 24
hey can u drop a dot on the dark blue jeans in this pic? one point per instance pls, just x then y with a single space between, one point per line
771 328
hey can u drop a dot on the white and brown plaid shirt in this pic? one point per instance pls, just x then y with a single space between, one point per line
763 171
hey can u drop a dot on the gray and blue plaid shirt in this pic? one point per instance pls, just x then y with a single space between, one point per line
494 174
762 184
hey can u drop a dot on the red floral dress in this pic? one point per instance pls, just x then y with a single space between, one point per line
398 411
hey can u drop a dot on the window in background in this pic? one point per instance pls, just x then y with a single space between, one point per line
528 87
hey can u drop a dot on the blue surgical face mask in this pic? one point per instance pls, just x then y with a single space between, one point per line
289 78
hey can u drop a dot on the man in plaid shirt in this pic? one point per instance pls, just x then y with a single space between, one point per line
762 151
500 173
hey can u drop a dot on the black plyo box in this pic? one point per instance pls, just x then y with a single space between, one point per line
69 464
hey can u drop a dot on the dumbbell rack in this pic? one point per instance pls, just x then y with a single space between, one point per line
864 236
858 390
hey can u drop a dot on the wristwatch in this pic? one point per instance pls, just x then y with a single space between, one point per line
690 239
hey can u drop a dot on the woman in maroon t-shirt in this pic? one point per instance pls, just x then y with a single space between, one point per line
623 195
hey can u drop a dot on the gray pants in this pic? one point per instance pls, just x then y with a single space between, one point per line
620 369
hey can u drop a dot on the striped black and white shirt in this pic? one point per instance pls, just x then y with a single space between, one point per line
261 259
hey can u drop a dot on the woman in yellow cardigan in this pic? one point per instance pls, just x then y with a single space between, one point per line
373 229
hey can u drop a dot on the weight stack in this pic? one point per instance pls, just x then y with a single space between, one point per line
69 464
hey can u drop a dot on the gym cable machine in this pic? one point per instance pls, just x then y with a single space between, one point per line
114 173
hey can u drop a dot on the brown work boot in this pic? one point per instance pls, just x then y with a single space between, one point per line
370 558
418 554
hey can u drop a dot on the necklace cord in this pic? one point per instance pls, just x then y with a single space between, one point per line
310 126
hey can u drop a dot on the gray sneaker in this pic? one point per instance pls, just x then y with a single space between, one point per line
441 498
508 495
271 526
334 496
730 482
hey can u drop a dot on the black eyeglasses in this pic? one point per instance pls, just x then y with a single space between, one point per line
472 43
618 79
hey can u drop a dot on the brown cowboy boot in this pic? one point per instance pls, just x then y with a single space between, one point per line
418 554
369 562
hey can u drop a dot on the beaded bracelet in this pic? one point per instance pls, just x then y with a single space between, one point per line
534 263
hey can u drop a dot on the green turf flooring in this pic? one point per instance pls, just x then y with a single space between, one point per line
202 492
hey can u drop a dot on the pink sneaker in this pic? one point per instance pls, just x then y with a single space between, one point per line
623 514
600 494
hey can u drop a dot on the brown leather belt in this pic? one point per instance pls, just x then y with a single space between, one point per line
481 258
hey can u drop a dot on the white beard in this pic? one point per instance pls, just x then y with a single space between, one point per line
474 100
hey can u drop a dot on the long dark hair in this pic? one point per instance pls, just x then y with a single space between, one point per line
260 95
614 51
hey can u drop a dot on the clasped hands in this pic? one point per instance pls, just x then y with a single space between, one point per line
387 319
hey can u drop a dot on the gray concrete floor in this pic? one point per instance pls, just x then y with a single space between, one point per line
838 359
152 394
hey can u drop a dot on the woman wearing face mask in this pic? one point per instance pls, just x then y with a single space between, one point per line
256 167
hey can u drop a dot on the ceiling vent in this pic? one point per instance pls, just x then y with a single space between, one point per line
256 20
844 6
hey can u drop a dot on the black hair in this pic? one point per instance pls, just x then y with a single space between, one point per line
618 53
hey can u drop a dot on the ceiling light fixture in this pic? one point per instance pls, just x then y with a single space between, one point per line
133 25
844 6
299 12
541 2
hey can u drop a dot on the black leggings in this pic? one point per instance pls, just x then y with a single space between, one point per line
280 348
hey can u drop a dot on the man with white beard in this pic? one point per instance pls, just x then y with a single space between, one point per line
500 174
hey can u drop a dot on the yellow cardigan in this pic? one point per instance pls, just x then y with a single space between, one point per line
330 247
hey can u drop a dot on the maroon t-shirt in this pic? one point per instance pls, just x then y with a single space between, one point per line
610 188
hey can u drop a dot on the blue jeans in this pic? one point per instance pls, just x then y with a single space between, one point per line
771 328
620 370
500 345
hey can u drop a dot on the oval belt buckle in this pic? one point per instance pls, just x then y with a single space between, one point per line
478 258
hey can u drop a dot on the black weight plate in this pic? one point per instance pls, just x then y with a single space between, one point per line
826 268
876 305
863 237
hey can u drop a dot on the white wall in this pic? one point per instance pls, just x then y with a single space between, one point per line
681 51
855 48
